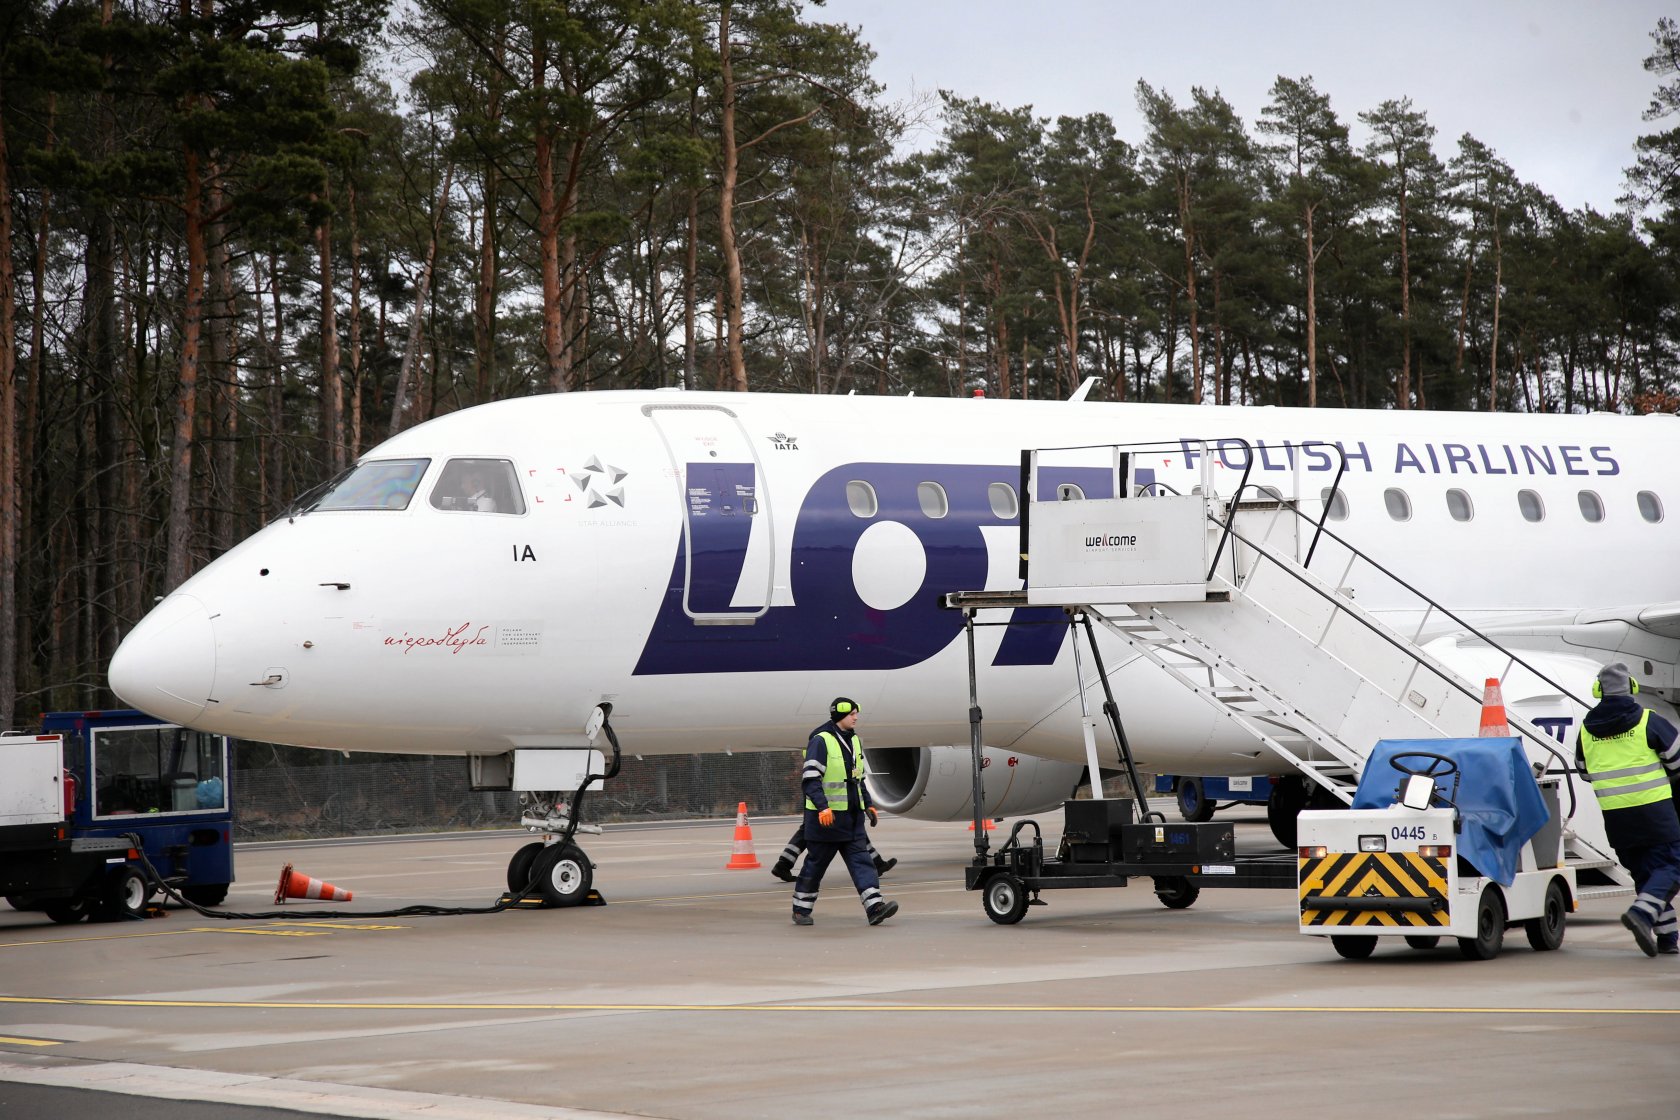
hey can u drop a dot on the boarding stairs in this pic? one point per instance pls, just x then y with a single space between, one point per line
1221 596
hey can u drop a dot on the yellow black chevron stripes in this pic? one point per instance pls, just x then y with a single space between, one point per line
1373 875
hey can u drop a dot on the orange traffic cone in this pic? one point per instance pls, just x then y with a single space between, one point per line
744 858
1494 725
295 884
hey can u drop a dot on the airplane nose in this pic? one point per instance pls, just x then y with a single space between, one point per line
167 664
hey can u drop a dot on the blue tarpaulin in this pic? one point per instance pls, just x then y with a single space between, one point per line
1499 803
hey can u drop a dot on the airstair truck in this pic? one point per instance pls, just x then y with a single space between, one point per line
99 805
1445 838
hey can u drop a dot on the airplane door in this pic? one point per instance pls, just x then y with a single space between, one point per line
729 545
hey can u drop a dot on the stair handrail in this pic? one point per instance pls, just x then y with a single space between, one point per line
1359 554
1543 741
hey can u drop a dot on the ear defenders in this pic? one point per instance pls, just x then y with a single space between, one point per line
1598 689
841 708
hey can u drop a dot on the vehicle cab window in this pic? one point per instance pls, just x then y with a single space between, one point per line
157 770
478 486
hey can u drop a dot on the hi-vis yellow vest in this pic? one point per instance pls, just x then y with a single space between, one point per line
834 776
1623 769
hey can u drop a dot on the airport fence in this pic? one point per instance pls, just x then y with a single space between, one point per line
283 793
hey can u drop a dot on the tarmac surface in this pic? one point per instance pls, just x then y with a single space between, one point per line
692 996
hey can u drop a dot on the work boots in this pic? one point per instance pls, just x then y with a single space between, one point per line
1640 926
881 911
803 918
783 870
882 866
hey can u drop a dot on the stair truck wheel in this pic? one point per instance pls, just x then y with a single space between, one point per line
1193 804
1005 899
564 875
1422 941
1283 805
1490 927
1546 932
1176 892
1353 947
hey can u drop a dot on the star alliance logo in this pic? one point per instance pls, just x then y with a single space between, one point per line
783 443
601 483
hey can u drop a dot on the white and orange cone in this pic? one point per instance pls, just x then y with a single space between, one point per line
1494 723
295 884
743 857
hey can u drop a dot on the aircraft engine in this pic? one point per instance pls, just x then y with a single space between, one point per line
937 783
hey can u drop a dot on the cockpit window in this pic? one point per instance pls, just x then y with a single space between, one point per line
375 484
478 486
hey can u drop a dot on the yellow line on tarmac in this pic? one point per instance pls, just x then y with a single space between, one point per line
5 1041
825 1008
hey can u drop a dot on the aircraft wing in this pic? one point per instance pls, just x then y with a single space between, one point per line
1660 619
1574 645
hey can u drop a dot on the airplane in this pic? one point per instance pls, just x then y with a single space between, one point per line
715 567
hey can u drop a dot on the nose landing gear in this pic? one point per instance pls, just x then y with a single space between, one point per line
554 871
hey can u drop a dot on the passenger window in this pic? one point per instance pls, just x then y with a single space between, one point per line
375 484
1068 492
1338 503
1399 505
1591 507
1459 505
478 486
1650 507
931 495
1533 509
1002 497
860 497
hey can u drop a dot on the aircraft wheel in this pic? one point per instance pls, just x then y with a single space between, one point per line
1176 892
1423 942
1546 932
1193 804
520 866
23 902
1352 947
1004 899
205 894
564 875
1490 928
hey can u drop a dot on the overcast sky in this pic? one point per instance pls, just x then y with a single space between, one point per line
1555 87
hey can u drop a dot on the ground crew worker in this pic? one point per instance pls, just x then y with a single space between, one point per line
1625 750
836 806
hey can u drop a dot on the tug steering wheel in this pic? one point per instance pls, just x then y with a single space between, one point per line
1437 766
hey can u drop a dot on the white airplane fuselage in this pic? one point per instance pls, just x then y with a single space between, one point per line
719 566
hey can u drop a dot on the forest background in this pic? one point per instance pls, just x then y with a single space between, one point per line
245 241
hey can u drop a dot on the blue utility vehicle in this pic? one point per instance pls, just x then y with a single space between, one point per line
84 800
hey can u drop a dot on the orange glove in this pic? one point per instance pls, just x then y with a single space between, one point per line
825 817
874 819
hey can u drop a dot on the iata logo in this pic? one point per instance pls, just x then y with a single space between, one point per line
783 442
